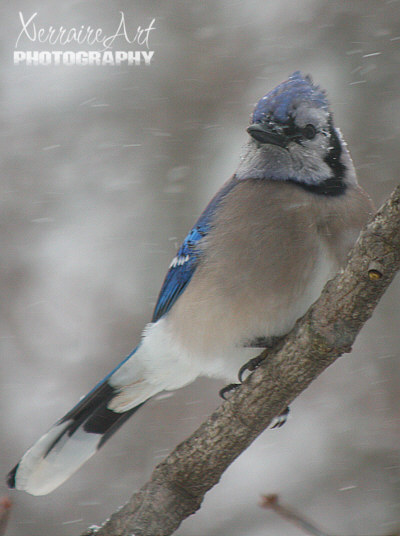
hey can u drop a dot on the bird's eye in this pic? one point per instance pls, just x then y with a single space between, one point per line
309 132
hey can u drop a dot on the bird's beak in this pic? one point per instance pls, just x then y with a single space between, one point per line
266 134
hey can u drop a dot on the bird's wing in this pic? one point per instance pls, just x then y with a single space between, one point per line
187 259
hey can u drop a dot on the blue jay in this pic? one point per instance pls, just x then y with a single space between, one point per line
257 258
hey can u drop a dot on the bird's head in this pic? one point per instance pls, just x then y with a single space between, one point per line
293 138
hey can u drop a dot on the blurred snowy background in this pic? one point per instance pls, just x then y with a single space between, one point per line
103 171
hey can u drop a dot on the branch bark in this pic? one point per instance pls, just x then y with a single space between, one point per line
329 328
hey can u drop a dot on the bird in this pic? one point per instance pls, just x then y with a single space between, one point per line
254 262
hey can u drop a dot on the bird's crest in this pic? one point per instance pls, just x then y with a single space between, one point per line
280 103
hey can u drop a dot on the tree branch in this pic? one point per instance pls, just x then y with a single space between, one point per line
329 328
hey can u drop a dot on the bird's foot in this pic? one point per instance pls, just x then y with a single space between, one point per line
224 392
280 420
250 366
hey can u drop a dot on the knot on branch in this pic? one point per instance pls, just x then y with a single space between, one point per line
375 271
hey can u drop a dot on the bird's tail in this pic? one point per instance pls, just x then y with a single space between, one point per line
72 440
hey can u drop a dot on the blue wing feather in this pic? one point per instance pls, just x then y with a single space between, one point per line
186 260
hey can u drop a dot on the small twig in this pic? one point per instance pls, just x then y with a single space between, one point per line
271 502
5 509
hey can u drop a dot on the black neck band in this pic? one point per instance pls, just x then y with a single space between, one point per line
335 184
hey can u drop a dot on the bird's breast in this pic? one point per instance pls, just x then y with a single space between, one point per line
264 264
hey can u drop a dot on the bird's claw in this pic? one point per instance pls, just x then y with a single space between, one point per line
228 389
250 366
281 419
